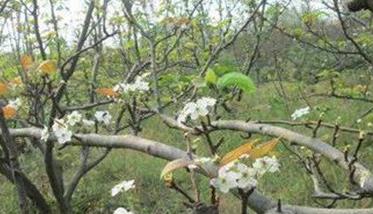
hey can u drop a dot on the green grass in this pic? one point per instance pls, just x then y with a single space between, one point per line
291 185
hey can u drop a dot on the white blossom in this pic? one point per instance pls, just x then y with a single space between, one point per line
15 103
224 183
88 123
192 110
204 102
247 179
266 164
300 113
60 130
74 118
139 85
123 186
103 117
122 210
117 87
196 109
226 180
236 174
45 134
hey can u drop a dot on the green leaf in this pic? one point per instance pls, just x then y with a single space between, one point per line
240 80
224 68
211 77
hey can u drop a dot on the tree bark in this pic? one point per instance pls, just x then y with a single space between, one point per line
9 145
31 190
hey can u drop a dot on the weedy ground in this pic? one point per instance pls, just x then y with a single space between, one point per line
291 184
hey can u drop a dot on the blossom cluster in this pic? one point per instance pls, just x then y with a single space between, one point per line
63 128
300 113
196 109
139 85
239 175
61 131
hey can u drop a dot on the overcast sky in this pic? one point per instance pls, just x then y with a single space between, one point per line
72 14
75 13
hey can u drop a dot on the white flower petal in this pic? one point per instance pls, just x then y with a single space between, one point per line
122 210
103 117
61 131
74 118
123 186
300 113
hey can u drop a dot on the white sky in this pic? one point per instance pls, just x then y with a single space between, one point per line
72 14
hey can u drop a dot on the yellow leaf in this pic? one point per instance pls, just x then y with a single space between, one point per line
3 88
9 112
109 92
250 149
48 67
263 149
174 165
237 153
26 62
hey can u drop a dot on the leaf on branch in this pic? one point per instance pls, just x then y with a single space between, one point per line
26 62
237 79
48 67
264 149
237 152
176 164
250 149
211 77
9 112
3 88
109 92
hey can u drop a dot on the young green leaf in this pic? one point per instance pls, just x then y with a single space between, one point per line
211 77
240 80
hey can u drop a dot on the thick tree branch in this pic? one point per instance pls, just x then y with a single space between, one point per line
7 141
256 201
31 190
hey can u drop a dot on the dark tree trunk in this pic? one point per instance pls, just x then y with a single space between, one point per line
358 5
